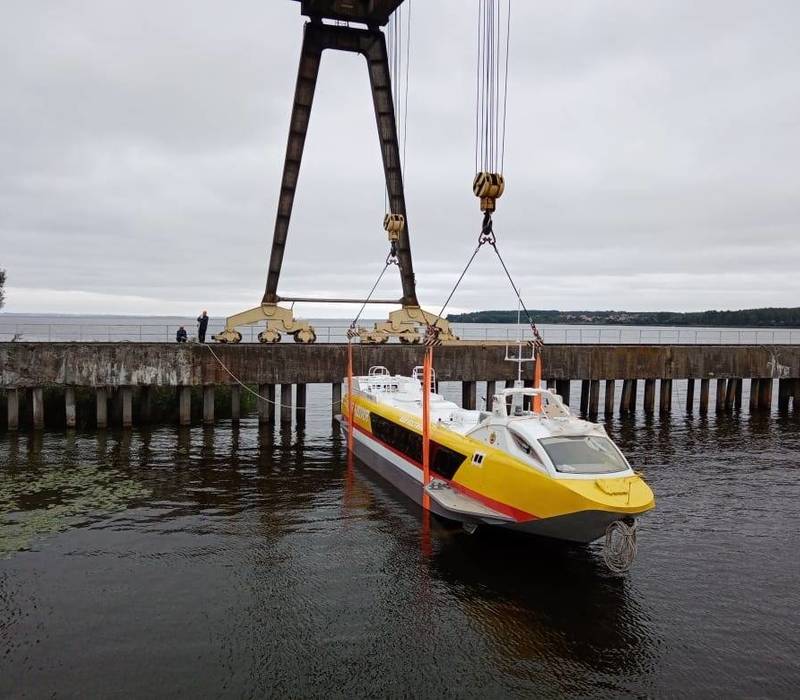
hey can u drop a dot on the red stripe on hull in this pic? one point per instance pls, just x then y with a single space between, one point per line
520 516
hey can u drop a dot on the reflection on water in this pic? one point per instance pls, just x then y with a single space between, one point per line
250 561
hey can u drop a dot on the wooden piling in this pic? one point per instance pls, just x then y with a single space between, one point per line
336 398
37 395
236 403
796 395
722 385
468 395
12 402
286 403
690 395
208 404
185 405
594 397
737 398
650 396
101 408
562 389
300 403
611 385
584 397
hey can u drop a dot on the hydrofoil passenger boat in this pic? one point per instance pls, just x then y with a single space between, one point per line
543 472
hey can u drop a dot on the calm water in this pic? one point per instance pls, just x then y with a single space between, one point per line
229 562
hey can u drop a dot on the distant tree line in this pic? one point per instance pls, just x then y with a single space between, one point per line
2 285
745 318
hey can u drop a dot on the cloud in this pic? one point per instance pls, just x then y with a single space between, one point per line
651 158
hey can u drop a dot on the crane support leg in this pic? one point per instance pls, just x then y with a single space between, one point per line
370 43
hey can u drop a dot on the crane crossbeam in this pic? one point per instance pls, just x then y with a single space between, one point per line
373 13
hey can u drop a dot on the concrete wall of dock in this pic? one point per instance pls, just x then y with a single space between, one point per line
130 373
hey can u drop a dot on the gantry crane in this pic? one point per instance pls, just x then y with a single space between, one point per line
370 42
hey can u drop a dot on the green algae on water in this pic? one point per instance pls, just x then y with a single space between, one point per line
33 505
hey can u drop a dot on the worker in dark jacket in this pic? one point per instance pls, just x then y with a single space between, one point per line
202 324
180 336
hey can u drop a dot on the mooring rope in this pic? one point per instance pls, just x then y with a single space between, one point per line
255 393
619 547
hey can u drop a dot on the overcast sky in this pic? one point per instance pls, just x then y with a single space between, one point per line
653 157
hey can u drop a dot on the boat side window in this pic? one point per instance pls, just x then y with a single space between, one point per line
444 461
584 454
520 442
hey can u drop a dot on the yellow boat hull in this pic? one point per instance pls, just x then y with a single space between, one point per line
512 494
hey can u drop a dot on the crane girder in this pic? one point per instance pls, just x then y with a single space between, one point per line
373 13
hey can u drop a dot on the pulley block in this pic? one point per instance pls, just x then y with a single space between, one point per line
394 224
489 188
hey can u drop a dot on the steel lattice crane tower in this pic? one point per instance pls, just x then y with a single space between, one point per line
370 42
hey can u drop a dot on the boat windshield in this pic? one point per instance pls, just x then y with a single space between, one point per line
584 454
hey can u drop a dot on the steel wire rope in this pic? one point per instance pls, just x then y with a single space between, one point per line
389 261
277 404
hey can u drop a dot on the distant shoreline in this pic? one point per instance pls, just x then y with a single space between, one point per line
777 317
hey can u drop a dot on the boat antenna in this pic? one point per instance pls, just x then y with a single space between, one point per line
519 338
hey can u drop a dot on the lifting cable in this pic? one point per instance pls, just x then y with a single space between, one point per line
490 135
399 55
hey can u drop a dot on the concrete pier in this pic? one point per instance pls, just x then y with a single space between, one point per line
208 404
665 397
300 403
266 405
101 412
609 398
12 403
705 385
649 396
626 395
126 396
185 405
469 392
594 397
37 396
70 413
286 403
145 404
491 390
236 402
722 385
132 371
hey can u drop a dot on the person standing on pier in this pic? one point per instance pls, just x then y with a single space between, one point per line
202 324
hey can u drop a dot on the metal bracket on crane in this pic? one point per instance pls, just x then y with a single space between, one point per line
408 325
